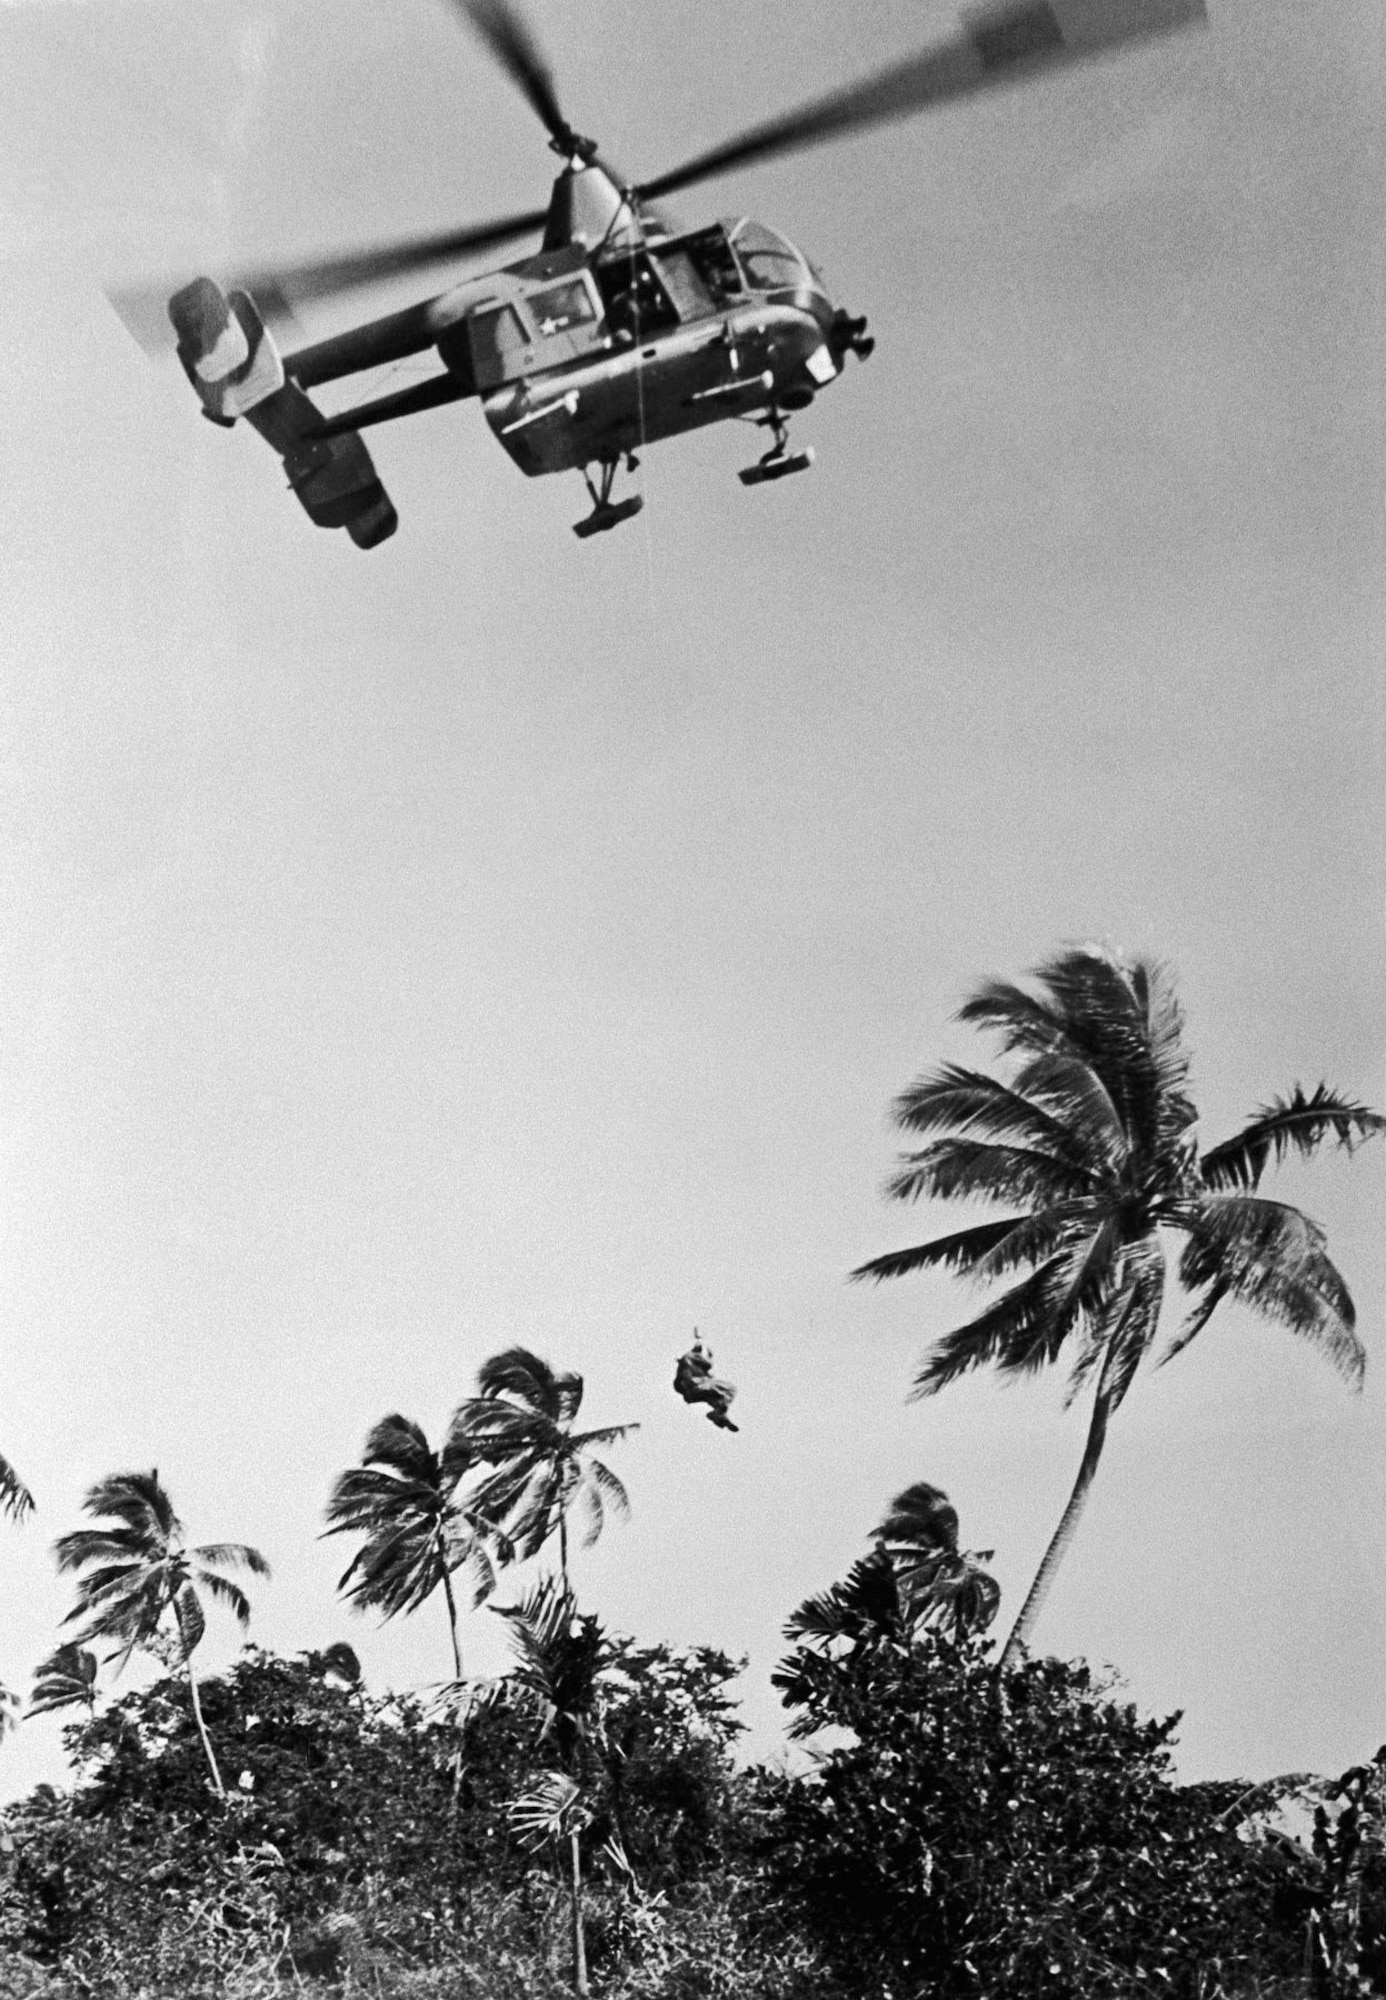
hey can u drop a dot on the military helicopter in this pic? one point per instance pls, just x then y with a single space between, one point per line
621 328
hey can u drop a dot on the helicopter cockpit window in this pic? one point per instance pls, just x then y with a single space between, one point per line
562 307
770 262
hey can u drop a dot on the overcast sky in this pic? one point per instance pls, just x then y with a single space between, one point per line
499 938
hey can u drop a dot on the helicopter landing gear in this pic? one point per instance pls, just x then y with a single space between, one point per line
608 513
778 462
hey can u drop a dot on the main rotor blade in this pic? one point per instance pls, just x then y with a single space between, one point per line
329 275
508 37
1001 45
277 289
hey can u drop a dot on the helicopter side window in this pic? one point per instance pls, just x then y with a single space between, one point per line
562 308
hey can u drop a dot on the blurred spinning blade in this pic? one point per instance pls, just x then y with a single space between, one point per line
995 48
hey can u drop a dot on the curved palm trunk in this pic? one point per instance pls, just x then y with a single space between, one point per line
1068 1523
202 1729
580 1985
563 1544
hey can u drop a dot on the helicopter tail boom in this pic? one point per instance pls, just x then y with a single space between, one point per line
231 360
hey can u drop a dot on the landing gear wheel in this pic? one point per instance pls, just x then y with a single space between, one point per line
776 465
779 461
609 516
607 513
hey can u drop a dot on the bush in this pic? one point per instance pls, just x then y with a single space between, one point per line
1008 1837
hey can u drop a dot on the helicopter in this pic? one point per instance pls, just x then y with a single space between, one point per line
621 328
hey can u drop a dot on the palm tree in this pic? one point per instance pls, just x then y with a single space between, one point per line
521 1424
915 1576
403 1498
65 1679
139 1573
561 1658
940 1583
1090 1141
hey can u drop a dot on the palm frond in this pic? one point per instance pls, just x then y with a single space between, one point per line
15 1498
225 1592
1077 1094
529 1380
1019 1322
1019 1019
1064 1226
583 1441
1025 1329
1196 1319
962 1250
231 1555
1124 1020
550 1811
1297 1123
969 1102
1119 1338
190 1619
615 1499
919 1518
395 1571
139 1501
84 1545
979 1170
1272 1258
865 1605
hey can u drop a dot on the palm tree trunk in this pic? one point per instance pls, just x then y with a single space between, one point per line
202 1729
1068 1524
563 1545
457 1666
580 1985
452 1625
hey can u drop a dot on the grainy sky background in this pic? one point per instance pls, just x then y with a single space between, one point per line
502 939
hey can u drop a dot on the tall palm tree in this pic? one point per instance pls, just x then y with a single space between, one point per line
940 1583
521 1424
419 1533
1090 1141
136 1576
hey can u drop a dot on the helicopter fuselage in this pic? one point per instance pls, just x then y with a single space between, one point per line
597 360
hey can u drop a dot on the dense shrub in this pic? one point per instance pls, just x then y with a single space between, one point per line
1008 1837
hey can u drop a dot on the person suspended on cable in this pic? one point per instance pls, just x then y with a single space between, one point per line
696 1383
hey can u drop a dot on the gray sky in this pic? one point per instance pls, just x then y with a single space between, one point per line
498 938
